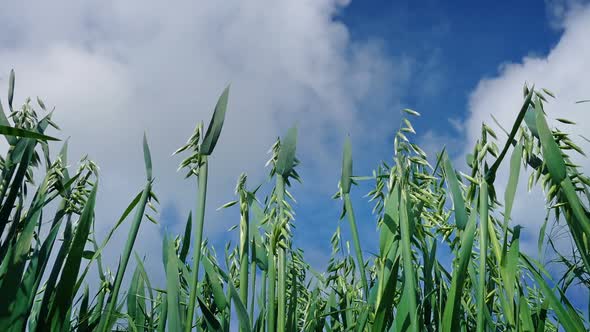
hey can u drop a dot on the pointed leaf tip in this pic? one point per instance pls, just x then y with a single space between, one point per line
147 157
286 158
12 131
458 201
216 124
345 181
11 88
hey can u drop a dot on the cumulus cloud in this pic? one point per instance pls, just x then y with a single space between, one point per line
559 10
113 69
562 71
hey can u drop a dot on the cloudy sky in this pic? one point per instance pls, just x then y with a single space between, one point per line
113 69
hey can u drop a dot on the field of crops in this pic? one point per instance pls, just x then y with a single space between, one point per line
423 210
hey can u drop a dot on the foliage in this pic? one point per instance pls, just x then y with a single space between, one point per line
265 283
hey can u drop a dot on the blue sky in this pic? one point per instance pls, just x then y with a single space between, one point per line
114 69
453 45
450 47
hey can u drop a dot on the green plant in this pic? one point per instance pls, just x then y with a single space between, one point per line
490 284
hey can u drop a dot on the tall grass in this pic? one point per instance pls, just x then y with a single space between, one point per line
422 212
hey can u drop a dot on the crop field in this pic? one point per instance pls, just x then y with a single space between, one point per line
422 205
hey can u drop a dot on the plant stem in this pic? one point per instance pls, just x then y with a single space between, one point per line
483 245
253 281
490 175
282 290
280 191
272 278
262 301
198 226
244 244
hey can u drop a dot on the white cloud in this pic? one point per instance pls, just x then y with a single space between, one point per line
562 71
559 10
113 69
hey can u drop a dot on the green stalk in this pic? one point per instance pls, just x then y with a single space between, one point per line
345 184
483 248
244 237
357 243
253 281
490 175
198 226
281 322
262 298
272 279
226 324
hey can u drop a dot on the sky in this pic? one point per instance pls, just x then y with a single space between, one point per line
333 67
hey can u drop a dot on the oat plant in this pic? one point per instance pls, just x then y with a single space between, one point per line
449 248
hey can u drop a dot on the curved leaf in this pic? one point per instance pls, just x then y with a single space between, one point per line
216 124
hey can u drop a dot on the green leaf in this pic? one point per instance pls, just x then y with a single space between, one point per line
541 238
4 122
186 239
65 288
515 162
88 254
408 305
458 202
147 158
83 316
511 265
14 265
452 310
144 277
212 322
551 151
43 317
172 286
136 300
26 292
216 124
240 309
163 313
525 314
18 132
562 310
11 89
107 318
287 152
218 294
346 166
